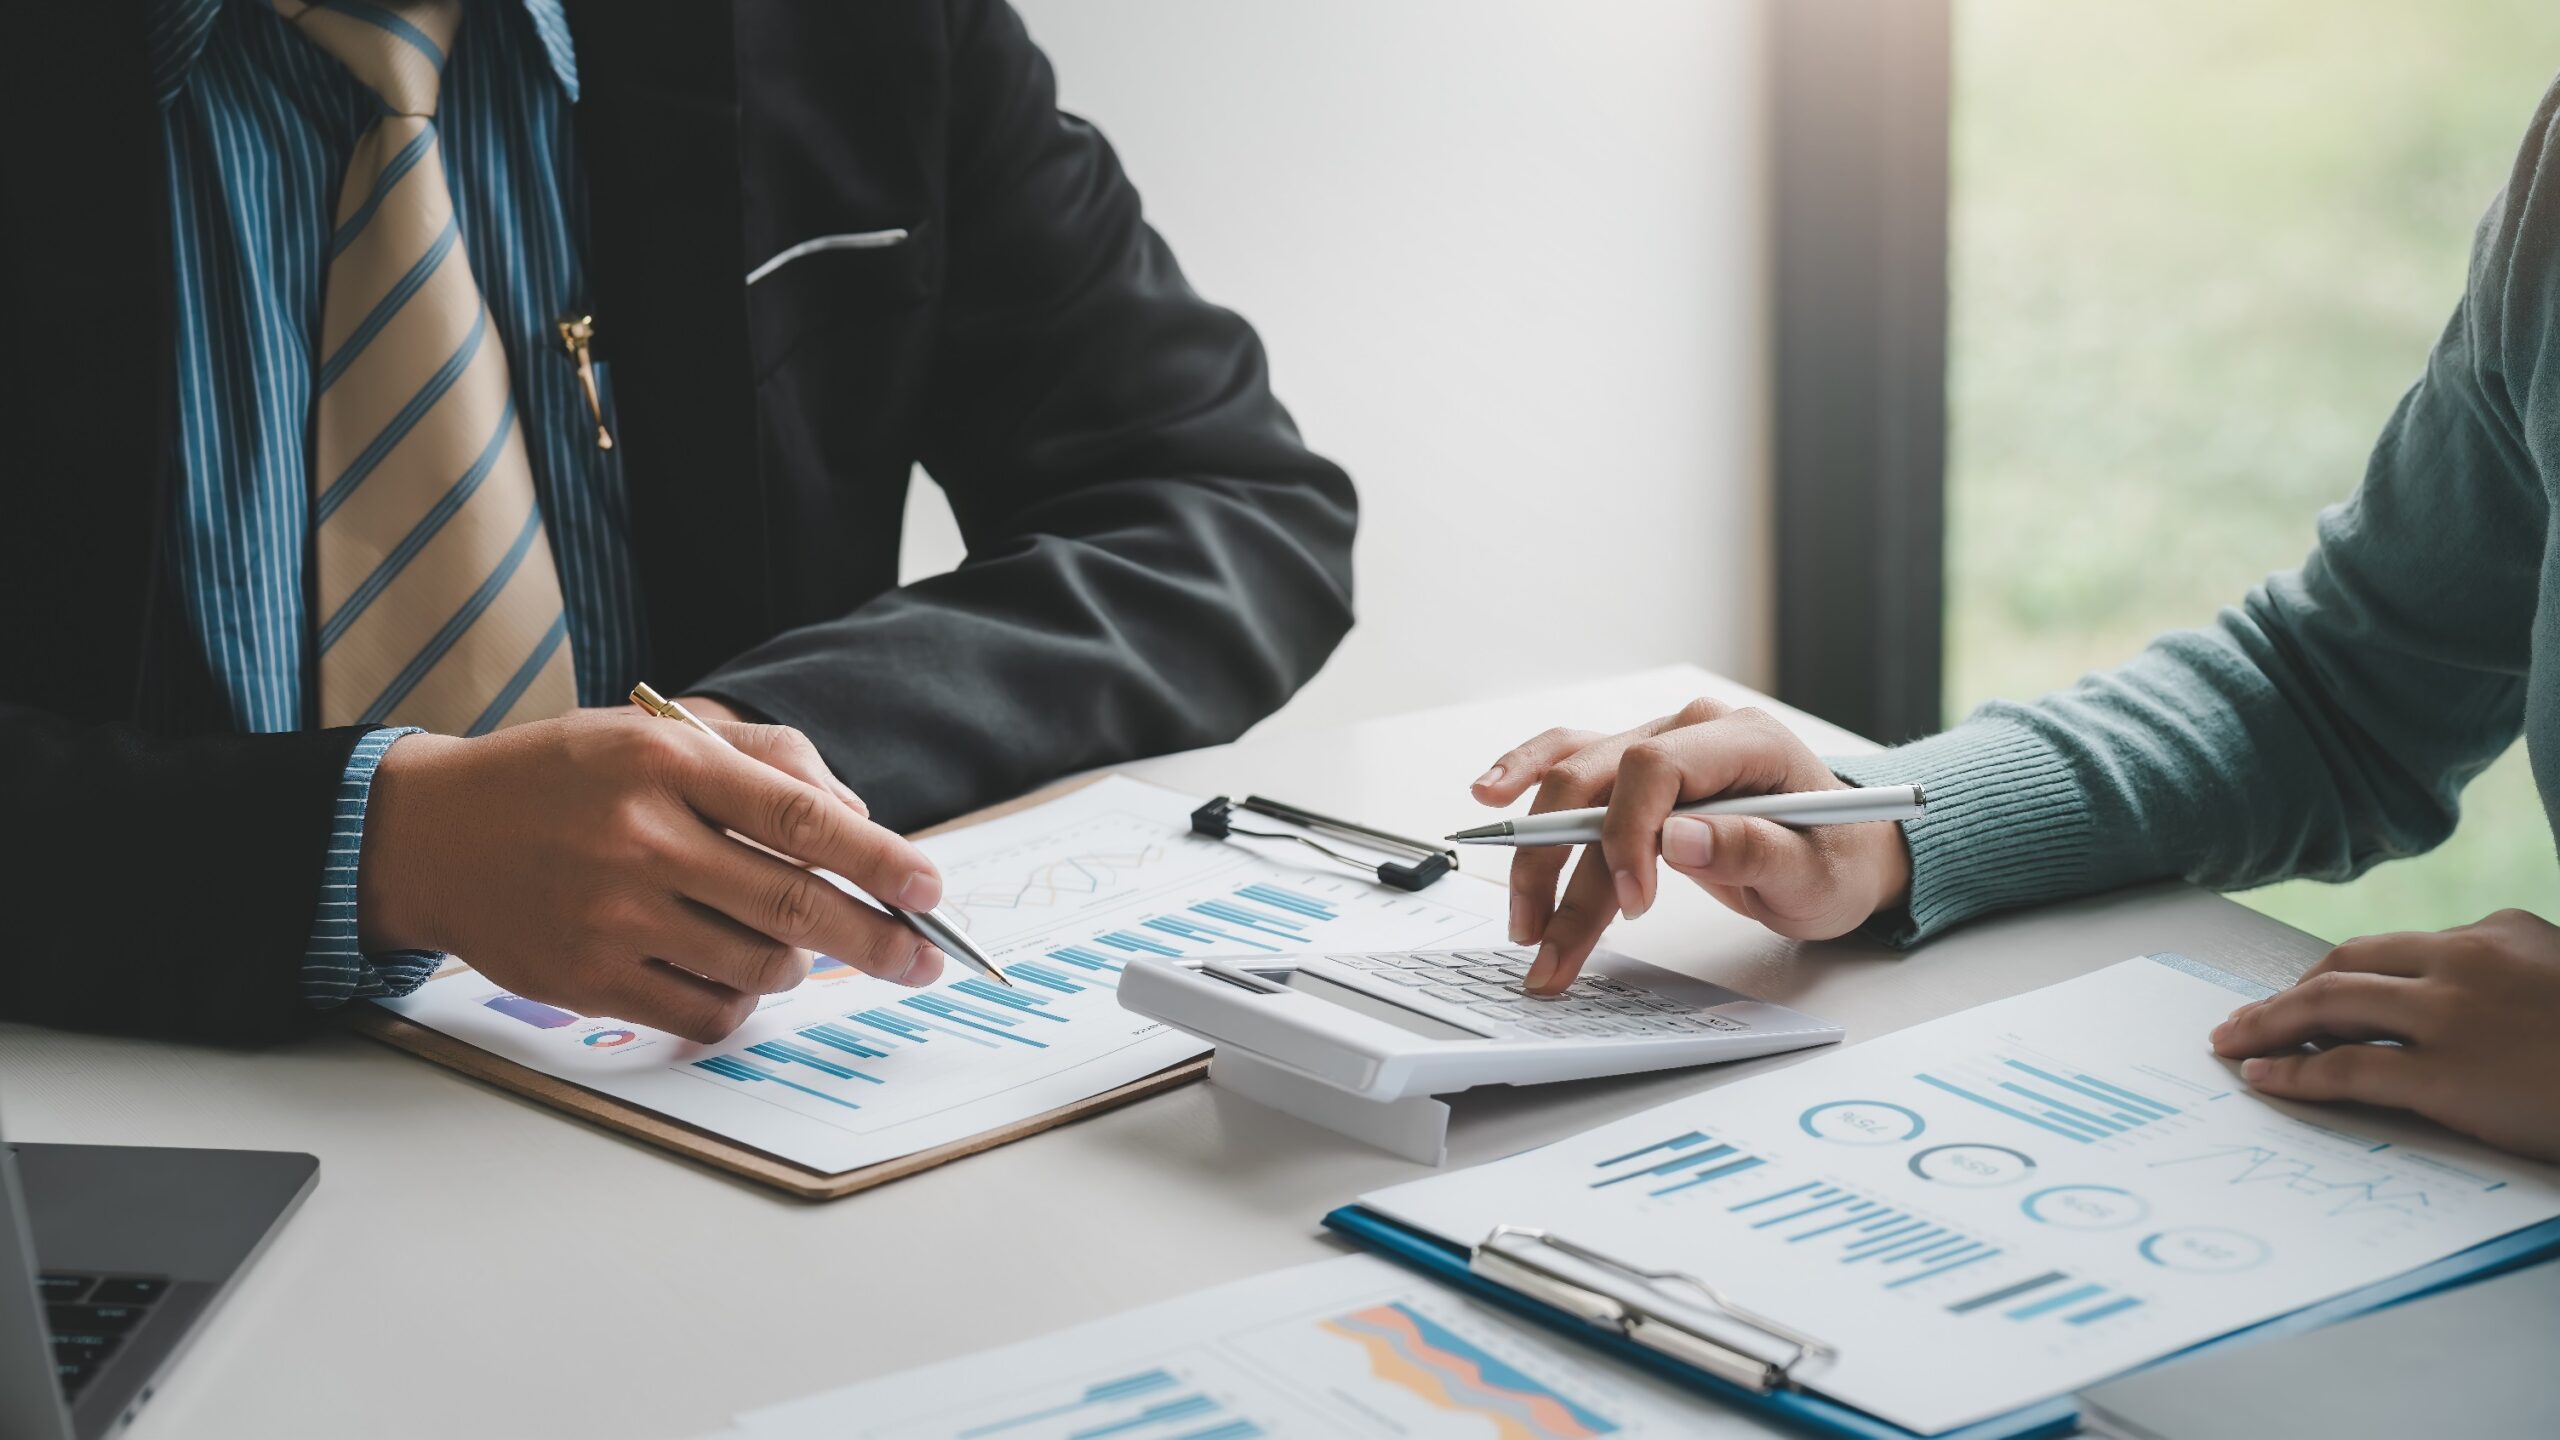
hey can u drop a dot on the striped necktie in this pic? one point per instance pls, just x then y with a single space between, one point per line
435 597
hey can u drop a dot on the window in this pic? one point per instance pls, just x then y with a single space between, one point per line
2197 251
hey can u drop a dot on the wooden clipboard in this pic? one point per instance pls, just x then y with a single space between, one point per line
695 1143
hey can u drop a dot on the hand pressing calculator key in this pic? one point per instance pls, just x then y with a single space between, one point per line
1390 1024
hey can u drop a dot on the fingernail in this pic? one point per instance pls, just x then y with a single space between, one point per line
924 969
1630 895
2219 1031
1488 777
922 891
848 797
1522 922
1544 971
1688 841
2256 1070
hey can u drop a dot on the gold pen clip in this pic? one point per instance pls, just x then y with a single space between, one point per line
578 332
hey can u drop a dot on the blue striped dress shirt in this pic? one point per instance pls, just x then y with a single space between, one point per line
259 125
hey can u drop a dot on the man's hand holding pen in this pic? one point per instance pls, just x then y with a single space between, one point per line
586 862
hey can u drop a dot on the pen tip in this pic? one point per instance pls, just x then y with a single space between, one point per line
1494 831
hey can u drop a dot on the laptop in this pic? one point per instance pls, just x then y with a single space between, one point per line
111 1258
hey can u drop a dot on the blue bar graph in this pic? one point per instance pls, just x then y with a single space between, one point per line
972 1017
1877 1244
730 1067
1903 1248
2100 1312
914 1031
1199 934
1306 905
2074 1105
1933 1251
2054 1293
2062 1300
1823 1199
1181 1407
1774 1195
1971 1253
2099 1090
836 1037
1908 1242
994 994
1703 1177
1860 1216
1266 924
2100 1124
1032 972
2060 1125
1693 1157
1136 944
1102 1404
784 1052
1084 959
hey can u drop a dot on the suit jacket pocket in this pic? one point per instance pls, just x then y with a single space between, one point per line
826 280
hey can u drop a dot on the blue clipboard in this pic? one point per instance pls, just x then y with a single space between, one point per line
1814 1413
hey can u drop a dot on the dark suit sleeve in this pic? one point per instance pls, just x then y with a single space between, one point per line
161 886
1155 560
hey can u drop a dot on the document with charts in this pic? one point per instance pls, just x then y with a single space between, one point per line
1349 1349
2007 1204
848 1071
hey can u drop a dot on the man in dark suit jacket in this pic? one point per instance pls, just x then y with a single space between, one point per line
1155 561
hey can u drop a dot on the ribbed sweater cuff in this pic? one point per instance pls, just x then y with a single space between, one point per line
2007 825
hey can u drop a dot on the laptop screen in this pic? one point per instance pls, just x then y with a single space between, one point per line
30 1400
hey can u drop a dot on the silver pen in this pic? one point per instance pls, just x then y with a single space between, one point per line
1797 808
933 925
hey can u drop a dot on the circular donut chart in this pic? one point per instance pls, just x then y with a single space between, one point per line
1862 1122
607 1039
1973 1166
2086 1207
2204 1250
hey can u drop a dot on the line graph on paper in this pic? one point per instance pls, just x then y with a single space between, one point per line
1107 860
2335 1189
1065 881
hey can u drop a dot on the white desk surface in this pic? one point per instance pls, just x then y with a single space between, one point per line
474 1264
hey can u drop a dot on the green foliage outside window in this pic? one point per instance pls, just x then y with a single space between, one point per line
2199 249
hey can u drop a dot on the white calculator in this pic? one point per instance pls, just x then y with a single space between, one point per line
1386 1025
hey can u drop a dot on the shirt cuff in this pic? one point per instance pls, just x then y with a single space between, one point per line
2007 825
334 970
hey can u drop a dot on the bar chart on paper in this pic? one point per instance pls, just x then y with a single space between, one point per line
2064 1099
847 1070
1342 1348
1152 1402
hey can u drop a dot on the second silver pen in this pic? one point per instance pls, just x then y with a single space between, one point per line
1797 808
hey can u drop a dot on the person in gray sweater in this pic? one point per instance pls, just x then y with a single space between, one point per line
2326 724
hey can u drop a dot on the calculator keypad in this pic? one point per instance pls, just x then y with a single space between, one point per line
1485 984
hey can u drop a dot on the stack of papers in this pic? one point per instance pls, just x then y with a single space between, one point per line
1351 1349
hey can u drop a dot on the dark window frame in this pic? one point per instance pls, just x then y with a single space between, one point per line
1859 107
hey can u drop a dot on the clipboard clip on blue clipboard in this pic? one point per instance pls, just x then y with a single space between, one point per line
1719 1337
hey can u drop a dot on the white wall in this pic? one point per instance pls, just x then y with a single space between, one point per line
1507 257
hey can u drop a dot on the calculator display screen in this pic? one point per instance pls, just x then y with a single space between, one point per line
1370 1005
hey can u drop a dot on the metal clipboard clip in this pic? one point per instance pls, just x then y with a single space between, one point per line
1719 1337
1423 862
